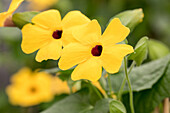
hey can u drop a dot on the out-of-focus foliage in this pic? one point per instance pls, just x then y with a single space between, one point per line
157 49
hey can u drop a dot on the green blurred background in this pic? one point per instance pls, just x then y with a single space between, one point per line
156 25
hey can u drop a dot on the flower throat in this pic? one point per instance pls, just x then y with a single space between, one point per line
97 50
57 34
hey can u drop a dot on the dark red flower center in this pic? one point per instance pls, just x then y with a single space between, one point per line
57 34
97 50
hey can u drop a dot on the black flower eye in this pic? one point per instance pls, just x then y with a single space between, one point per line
97 50
57 34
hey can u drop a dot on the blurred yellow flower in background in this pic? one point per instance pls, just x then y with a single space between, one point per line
41 4
61 87
6 15
92 51
30 88
49 33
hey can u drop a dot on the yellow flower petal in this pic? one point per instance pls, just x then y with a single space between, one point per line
34 37
114 33
50 51
74 18
23 74
41 4
67 37
50 19
112 56
3 17
14 5
69 22
72 55
90 70
88 34
60 87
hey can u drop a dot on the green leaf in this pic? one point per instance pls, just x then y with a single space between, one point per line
20 19
145 101
93 97
157 49
143 77
141 51
130 18
65 75
79 103
102 106
117 107
116 80
76 103
46 105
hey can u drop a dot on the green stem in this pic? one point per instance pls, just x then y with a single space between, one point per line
124 81
70 85
110 85
130 88
96 90
131 67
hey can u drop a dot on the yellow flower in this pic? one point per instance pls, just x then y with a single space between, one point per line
48 33
41 4
61 87
94 50
30 88
5 15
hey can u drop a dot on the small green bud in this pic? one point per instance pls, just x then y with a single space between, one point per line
141 51
20 19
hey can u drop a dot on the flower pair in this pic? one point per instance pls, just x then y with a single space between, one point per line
81 38
82 41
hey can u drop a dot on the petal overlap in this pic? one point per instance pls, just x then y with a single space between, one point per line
74 18
72 55
88 34
50 51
